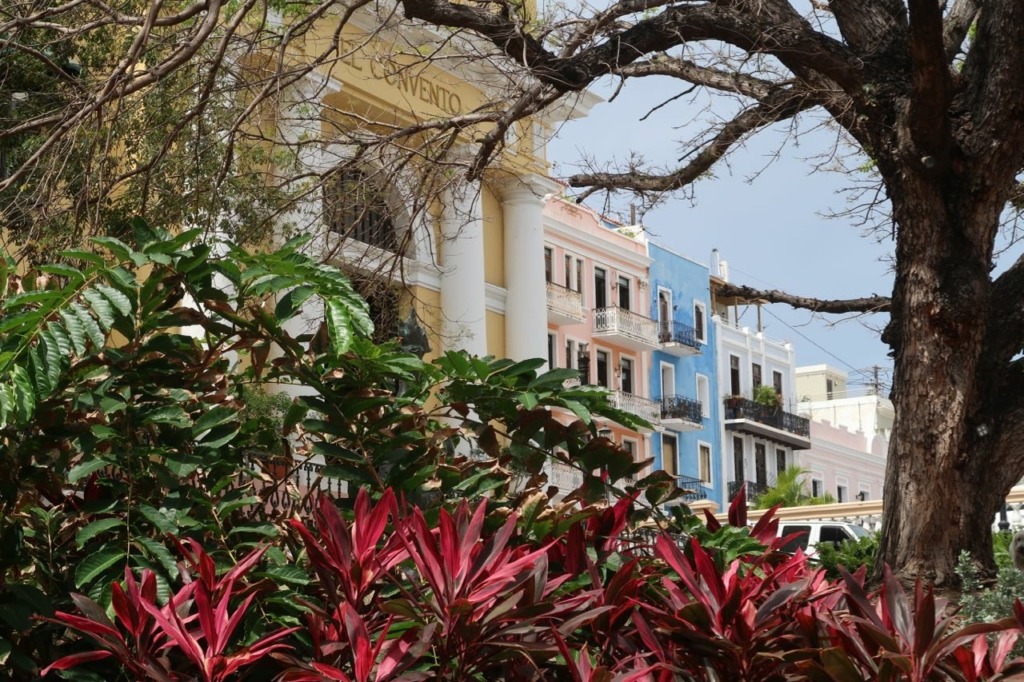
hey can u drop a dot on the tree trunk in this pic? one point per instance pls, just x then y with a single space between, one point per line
942 488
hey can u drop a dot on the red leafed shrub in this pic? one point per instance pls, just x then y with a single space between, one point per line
471 597
186 638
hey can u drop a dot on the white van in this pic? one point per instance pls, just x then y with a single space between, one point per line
814 532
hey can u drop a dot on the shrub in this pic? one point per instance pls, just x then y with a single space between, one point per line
851 555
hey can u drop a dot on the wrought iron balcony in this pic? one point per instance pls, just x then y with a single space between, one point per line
645 408
626 328
772 423
565 306
565 477
678 339
753 489
693 488
678 412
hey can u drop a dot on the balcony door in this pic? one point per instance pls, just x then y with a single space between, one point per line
624 293
600 288
669 454
626 375
738 464
602 368
664 315
760 465
668 380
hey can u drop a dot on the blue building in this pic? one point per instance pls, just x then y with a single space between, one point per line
684 375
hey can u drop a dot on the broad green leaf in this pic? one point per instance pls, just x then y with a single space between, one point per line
159 551
219 414
87 256
88 532
74 275
579 410
117 247
162 521
95 564
80 471
265 529
219 436
75 330
288 574
225 507
291 302
100 306
332 452
24 393
523 367
339 325
172 415
89 324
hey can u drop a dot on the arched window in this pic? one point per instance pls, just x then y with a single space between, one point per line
357 208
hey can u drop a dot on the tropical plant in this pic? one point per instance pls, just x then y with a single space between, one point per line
124 375
789 491
849 554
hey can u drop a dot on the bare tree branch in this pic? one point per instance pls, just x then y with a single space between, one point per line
870 304
957 24
784 104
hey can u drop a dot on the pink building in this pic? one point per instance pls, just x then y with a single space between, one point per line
598 304
848 464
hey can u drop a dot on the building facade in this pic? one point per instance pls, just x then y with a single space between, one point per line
462 260
597 298
850 431
684 375
756 379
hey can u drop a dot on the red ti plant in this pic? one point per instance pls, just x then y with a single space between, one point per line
196 622
890 638
736 624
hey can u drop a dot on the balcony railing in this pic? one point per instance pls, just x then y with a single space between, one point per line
693 488
564 305
753 489
628 328
678 408
644 408
773 417
565 477
678 338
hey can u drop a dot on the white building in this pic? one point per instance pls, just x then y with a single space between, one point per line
759 437
850 430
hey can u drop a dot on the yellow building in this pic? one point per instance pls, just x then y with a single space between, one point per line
468 257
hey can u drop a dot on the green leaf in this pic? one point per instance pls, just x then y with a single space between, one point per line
162 521
93 529
332 452
523 367
95 564
291 302
24 393
339 325
172 415
117 247
92 329
288 574
579 410
74 275
75 330
219 414
265 529
159 551
101 307
80 471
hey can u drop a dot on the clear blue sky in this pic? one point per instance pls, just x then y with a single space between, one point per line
772 229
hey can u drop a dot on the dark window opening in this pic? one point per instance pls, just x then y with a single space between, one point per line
357 209
600 288
624 293
602 368
734 375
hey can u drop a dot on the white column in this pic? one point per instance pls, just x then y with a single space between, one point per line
463 289
526 315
